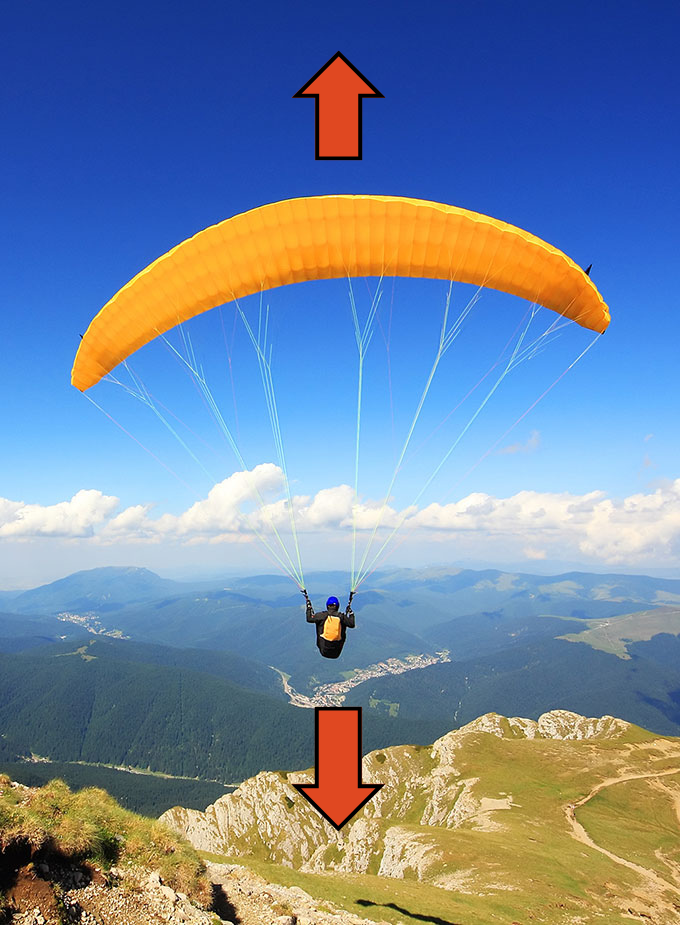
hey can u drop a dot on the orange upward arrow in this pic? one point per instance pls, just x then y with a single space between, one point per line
337 792
339 90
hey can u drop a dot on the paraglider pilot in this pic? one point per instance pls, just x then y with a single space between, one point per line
331 624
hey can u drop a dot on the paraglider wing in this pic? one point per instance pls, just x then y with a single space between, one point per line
330 237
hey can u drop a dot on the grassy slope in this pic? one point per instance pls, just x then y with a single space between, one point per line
615 635
90 825
381 899
655 846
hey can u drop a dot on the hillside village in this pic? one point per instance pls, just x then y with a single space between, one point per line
91 622
333 694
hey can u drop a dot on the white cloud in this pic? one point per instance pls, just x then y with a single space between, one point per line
220 512
330 506
329 509
336 507
78 517
641 528
130 521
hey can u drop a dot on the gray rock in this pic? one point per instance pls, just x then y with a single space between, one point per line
168 893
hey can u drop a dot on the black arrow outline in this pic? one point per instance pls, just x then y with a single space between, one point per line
315 96
360 784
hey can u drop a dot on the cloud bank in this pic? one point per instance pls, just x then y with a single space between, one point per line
643 528
78 517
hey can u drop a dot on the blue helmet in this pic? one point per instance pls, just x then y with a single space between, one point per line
331 601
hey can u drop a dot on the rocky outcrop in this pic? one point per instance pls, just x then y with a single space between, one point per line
54 892
262 814
557 724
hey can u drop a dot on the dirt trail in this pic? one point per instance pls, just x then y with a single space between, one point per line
659 885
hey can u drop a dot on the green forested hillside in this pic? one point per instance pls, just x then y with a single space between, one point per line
126 713
148 794
15 626
152 701
446 593
24 643
410 599
483 633
663 648
477 583
98 709
235 669
531 679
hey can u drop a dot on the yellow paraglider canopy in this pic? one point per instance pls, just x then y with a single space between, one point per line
328 237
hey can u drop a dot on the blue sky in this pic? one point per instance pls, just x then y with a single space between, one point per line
128 129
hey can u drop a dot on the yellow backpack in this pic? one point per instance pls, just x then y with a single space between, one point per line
332 629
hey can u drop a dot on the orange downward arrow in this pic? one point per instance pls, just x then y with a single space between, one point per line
337 792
